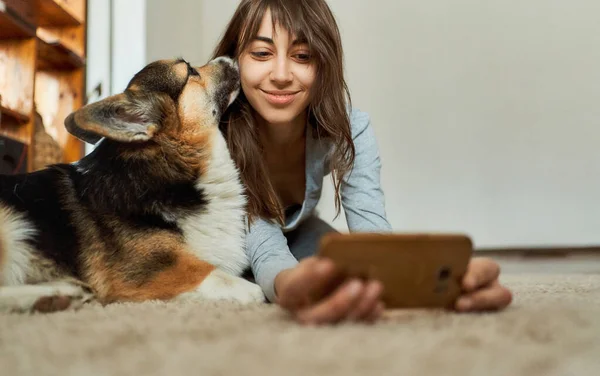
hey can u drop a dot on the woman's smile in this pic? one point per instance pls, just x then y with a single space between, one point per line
280 97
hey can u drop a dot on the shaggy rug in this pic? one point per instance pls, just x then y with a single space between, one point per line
553 328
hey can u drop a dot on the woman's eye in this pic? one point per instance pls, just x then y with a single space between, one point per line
260 54
303 57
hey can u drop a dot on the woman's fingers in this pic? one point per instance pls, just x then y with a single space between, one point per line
480 273
315 293
483 291
335 307
305 282
493 297
368 301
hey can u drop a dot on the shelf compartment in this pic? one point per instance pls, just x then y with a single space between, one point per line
56 56
13 26
17 71
69 38
15 130
58 93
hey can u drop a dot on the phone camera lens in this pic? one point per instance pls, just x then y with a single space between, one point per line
444 274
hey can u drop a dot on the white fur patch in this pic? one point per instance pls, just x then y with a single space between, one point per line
15 230
216 235
221 286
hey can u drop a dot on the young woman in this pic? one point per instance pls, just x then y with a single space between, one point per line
291 126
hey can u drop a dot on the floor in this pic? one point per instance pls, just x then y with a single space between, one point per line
551 329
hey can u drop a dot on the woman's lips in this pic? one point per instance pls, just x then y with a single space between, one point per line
280 97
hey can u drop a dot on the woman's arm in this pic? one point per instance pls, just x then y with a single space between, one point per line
362 197
269 254
297 283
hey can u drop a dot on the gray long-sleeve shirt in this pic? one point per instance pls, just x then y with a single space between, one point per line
362 201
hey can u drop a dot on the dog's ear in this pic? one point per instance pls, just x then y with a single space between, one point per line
127 117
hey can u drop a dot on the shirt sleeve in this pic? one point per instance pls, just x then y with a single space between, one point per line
362 196
269 254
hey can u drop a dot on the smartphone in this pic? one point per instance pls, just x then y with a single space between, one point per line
416 270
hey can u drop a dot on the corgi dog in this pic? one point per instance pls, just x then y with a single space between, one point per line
155 212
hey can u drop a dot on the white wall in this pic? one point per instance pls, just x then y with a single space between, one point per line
487 112
98 46
174 29
128 41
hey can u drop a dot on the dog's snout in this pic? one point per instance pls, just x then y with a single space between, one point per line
225 78
230 67
226 61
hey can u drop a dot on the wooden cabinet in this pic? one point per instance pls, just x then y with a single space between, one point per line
42 68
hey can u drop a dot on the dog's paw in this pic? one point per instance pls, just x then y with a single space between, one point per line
225 287
43 298
54 303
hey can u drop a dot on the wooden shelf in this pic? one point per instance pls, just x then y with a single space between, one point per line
56 56
15 130
17 71
43 13
19 117
52 13
57 94
12 26
42 70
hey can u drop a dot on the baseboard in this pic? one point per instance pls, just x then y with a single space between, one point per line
540 252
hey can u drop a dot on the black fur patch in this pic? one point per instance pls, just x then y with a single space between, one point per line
132 188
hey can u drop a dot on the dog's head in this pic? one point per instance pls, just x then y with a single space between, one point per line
167 97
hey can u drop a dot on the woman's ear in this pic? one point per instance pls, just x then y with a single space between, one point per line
127 117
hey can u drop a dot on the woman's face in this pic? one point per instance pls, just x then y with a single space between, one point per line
277 74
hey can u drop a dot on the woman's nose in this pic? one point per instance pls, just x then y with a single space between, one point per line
281 72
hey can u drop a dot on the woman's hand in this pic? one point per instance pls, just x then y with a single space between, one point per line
315 293
481 289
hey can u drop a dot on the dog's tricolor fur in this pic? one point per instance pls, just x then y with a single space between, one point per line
156 211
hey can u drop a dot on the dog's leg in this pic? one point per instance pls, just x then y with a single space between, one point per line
219 285
46 297
179 275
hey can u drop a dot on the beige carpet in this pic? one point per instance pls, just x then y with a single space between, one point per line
552 329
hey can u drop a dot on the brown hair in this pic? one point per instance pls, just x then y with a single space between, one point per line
312 21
